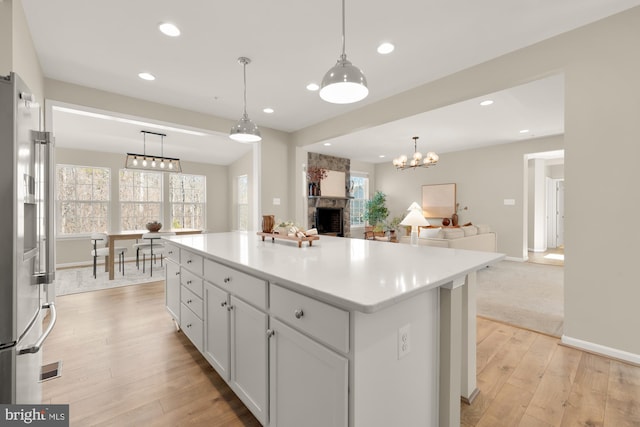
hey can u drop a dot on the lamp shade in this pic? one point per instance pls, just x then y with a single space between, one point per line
344 83
245 130
415 218
414 207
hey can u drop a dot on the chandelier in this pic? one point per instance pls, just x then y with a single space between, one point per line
146 161
417 161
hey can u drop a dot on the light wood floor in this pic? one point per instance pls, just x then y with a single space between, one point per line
124 364
539 257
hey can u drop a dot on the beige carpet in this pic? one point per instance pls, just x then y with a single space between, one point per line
523 294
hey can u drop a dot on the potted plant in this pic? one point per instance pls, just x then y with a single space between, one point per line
392 227
376 212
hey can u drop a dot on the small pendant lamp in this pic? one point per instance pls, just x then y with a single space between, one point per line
344 83
245 130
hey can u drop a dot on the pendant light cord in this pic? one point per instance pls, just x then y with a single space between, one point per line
244 70
344 55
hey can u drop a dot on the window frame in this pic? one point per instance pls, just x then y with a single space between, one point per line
92 201
121 203
203 204
239 205
363 224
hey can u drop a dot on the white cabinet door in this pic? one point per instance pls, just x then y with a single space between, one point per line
308 382
172 290
216 340
249 357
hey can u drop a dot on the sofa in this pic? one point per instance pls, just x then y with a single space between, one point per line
470 237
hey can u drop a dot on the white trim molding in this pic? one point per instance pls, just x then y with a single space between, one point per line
512 258
601 349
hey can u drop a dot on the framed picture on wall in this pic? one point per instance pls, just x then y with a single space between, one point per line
438 200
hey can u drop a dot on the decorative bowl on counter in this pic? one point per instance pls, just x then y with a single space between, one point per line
154 226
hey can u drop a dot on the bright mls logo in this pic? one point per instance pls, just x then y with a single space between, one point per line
34 415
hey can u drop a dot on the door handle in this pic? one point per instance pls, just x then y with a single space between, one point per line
38 344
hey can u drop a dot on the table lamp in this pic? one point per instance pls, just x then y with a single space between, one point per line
415 219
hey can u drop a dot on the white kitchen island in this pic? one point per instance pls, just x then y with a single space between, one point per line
347 332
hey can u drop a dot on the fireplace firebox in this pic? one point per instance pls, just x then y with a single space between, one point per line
329 221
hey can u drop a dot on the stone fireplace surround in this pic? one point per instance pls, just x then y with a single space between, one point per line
335 164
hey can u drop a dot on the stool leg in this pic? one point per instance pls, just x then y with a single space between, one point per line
94 267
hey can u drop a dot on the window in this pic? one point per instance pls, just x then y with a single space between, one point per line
243 202
187 195
82 195
140 198
360 193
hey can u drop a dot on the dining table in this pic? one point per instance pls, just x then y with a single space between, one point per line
134 235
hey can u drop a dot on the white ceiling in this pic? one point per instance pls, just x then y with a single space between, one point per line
292 43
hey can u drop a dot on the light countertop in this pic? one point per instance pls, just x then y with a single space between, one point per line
354 274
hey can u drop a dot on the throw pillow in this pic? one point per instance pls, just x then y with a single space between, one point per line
452 233
427 233
483 228
469 230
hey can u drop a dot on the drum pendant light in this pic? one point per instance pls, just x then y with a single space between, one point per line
245 130
344 83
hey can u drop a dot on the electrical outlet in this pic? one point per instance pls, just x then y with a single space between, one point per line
404 341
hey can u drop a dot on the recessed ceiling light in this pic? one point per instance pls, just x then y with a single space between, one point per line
326 144
486 102
381 156
313 87
524 131
147 76
169 29
385 48
268 110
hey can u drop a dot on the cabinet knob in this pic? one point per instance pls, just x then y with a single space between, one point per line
189 301
230 308
188 325
223 303
177 273
298 313
188 261
226 279
270 333
188 282
170 252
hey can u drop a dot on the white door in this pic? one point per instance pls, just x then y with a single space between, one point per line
308 382
172 289
560 213
249 357
216 340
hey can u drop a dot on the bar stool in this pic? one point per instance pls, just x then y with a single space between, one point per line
152 249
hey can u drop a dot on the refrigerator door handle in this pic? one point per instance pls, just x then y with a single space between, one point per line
47 142
38 344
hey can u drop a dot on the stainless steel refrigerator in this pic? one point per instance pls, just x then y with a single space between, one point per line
27 258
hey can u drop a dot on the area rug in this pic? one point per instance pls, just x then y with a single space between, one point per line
76 280
523 294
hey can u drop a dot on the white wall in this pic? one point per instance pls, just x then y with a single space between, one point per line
601 68
76 250
484 177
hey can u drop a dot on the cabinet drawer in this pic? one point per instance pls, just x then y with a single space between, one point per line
193 301
244 286
318 319
191 261
173 252
192 326
191 281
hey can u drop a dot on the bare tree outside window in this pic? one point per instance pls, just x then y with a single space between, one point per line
140 199
82 199
187 195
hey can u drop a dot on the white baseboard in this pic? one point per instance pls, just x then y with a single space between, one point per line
601 349
512 258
